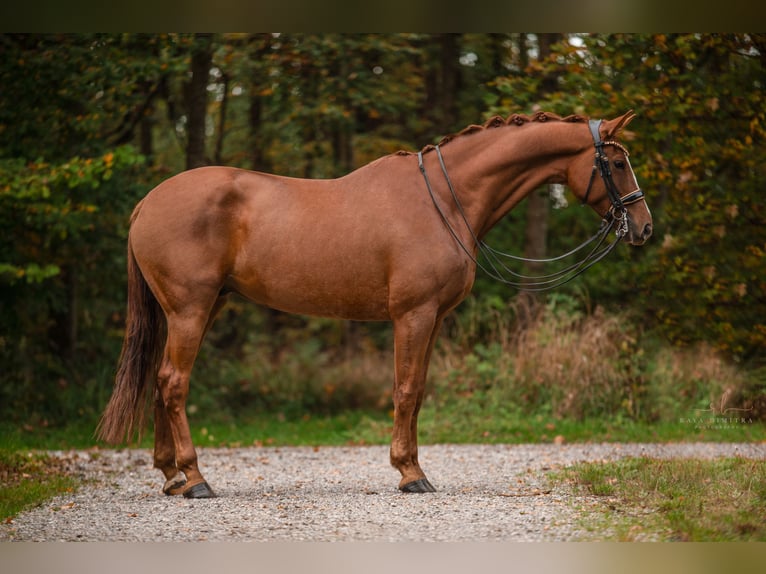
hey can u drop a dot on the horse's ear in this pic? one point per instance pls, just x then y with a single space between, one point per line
612 127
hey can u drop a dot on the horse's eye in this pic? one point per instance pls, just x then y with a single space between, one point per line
619 164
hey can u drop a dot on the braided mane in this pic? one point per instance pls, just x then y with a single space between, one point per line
499 121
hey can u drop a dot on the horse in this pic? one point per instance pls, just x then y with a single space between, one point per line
395 240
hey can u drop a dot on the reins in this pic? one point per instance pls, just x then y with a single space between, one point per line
498 270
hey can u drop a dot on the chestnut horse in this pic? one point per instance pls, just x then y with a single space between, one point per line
395 240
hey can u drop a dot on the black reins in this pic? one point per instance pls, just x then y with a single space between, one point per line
498 270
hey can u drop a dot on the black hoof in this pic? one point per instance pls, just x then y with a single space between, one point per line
201 490
421 485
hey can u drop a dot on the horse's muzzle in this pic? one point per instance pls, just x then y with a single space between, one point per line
639 238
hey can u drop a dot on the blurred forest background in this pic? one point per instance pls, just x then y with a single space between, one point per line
90 123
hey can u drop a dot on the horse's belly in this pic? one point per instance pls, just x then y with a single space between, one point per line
310 289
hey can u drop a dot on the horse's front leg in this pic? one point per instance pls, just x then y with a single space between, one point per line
414 337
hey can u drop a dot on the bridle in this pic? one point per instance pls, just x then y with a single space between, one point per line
601 165
498 270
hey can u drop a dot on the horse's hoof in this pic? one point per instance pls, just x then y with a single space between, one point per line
174 485
421 485
200 490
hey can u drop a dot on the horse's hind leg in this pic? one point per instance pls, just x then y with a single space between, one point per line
164 443
165 450
185 333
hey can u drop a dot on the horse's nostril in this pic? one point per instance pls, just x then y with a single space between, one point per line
647 231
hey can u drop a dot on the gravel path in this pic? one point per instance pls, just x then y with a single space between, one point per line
485 492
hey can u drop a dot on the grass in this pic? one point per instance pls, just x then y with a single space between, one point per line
28 479
672 500
466 422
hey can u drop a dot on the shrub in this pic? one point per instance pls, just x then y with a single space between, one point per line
571 363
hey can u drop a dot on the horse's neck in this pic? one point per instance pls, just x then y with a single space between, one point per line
499 168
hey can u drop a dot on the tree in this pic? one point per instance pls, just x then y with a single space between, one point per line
64 186
76 109
698 152
536 233
712 246
442 53
196 100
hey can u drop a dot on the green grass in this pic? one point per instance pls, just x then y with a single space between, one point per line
672 500
343 429
462 426
28 479
272 430
465 422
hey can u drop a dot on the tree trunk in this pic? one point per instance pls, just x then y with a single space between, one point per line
343 150
218 157
536 233
63 333
260 47
442 83
196 100
257 156
342 131
145 136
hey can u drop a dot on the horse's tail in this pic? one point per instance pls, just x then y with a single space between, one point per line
139 360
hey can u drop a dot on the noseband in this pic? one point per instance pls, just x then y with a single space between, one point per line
618 210
499 271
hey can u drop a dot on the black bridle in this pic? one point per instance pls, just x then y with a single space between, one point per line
601 165
499 271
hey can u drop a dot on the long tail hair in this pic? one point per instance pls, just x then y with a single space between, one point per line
145 332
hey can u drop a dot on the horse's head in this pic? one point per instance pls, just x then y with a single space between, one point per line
608 184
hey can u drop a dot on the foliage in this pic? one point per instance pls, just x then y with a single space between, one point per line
65 195
49 268
571 364
708 161
302 378
326 89
676 500
699 152
89 122
67 95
